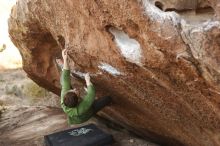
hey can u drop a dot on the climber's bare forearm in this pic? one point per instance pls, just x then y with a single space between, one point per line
66 65
87 79
65 59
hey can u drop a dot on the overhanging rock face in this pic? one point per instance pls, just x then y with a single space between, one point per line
159 60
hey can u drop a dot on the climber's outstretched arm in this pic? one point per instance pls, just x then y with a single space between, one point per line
65 60
88 100
65 76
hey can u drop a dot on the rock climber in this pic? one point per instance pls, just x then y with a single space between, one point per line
78 111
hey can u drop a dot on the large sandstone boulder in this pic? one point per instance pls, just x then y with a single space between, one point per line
158 59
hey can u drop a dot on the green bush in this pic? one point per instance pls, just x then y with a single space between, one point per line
31 89
28 89
13 89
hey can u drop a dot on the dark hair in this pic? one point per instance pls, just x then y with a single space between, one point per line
70 99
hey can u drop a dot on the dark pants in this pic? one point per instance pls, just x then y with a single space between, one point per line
101 103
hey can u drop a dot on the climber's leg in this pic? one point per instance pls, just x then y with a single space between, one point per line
101 103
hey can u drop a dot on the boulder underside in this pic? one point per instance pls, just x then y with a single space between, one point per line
159 60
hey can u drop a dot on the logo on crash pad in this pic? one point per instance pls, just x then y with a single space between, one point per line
81 131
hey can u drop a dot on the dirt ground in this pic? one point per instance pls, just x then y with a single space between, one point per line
26 116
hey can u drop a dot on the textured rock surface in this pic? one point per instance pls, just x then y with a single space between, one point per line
20 127
161 68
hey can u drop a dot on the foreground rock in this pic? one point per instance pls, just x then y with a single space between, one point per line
161 68
26 125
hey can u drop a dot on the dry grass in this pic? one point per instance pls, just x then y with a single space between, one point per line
27 88
2 108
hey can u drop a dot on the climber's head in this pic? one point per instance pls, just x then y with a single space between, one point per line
70 99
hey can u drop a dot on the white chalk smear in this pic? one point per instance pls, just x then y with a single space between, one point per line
82 75
205 26
210 24
78 73
157 15
110 69
130 48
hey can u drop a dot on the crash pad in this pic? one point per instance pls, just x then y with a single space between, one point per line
88 135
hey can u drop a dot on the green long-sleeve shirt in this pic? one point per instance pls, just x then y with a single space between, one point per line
83 111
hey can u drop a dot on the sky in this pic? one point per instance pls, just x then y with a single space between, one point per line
9 58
